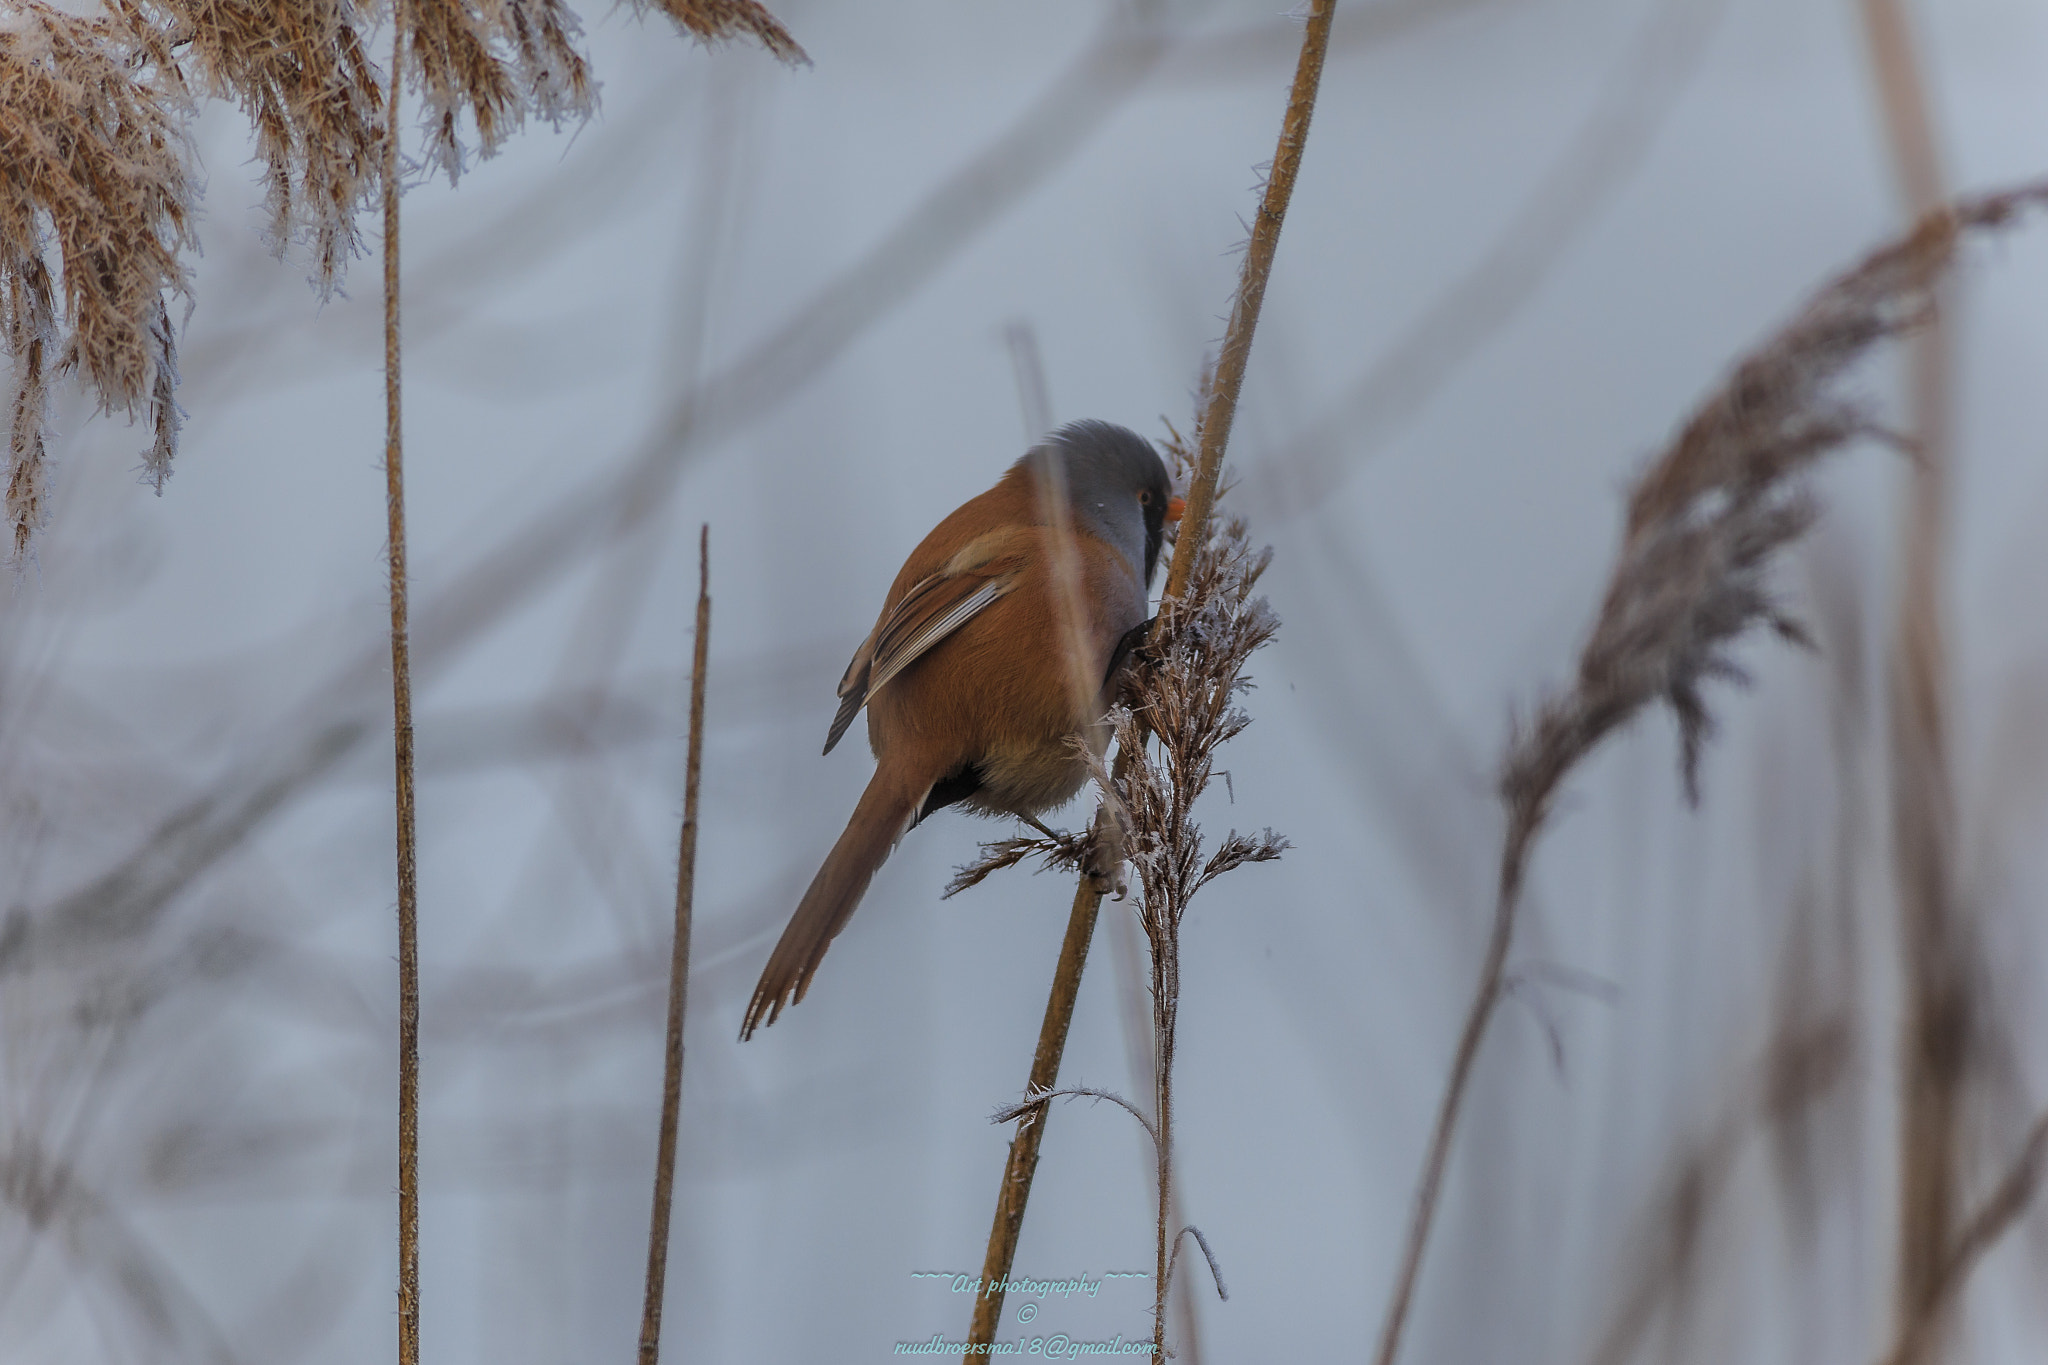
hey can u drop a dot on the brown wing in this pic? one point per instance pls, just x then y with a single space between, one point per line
853 690
935 607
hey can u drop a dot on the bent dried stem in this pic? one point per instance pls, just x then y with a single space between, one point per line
1215 1271
678 978
1038 1100
2001 1209
1703 524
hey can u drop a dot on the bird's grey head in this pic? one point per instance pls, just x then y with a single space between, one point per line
1117 488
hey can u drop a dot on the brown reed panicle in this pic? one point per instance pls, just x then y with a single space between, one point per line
500 58
95 206
497 59
1185 692
299 71
1708 514
713 21
1191 689
1704 522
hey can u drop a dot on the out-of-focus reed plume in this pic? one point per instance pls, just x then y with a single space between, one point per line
95 204
1705 519
1703 525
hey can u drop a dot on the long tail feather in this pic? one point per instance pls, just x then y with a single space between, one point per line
884 813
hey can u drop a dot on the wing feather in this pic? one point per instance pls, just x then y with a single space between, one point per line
933 609
912 635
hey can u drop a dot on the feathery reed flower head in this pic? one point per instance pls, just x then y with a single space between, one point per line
95 205
496 59
299 71
1708 515
1185 692
713 21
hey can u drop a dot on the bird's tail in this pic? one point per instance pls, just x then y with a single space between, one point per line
884 813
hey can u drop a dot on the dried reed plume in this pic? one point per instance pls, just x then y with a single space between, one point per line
1186 696
495 59
713 21
96 177
1703 525
299 71
95 202
498 59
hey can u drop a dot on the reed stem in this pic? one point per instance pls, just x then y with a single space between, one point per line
1934 949
678 978
401 729
1022 1163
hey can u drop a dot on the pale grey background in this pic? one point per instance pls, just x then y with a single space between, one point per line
1648 186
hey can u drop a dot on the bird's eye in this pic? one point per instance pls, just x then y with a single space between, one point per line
1144 497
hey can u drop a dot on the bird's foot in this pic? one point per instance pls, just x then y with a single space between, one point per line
1102 860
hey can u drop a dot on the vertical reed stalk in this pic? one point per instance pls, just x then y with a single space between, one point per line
1935 1032
2000 1211
1165 1009
1034 397
1524 823
1217 417
1023 1159
1221 410
401 729
1139 1035
1065 562
678 977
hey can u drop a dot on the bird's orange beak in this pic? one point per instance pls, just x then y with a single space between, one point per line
1175 507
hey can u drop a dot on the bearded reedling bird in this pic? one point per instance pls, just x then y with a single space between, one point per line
998 646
